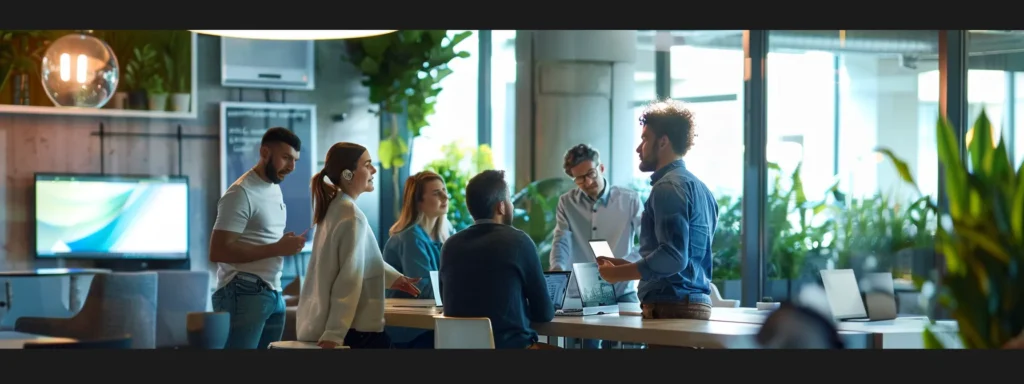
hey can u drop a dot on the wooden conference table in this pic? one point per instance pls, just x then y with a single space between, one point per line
627 326
17 340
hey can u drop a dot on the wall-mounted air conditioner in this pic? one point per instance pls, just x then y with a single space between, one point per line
267 64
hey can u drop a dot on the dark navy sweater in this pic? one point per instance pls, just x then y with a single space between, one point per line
492 270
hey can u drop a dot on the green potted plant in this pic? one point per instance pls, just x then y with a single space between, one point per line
403 71
20 59
156 92
456 175
535 207
178 68
139 72
981 237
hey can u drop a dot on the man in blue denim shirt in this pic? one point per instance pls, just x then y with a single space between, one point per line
677 224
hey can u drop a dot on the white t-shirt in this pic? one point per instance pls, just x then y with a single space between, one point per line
255 209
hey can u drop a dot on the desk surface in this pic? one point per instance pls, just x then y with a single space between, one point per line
908 324
620 327
17 340
53 272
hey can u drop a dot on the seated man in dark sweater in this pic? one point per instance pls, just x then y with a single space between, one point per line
492 269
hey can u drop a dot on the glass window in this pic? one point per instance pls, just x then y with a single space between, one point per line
455 116
503 101
992 84
833 202
706 72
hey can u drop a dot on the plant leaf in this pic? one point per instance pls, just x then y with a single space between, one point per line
1017 210
949 157
931 341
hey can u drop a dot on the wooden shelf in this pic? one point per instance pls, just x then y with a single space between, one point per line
10 109
103 112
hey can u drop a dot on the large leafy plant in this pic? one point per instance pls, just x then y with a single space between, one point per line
456 174
981 236
403 71
535 207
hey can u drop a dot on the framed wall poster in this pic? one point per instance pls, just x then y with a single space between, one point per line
242 125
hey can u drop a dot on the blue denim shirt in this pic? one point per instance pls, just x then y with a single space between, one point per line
676 229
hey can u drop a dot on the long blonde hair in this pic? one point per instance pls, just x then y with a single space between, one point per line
341 157
415 186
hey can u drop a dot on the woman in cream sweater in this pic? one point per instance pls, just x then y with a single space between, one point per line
342 298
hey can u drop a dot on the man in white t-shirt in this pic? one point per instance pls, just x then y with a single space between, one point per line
248 245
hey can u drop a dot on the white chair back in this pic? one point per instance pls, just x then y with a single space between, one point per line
463 333
718 301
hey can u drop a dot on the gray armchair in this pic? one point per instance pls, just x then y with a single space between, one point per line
118 304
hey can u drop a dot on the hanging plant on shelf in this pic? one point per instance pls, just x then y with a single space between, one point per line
403 71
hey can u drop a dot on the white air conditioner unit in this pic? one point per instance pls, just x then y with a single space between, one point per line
267 64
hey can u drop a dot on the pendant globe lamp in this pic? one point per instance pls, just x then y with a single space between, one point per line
80 70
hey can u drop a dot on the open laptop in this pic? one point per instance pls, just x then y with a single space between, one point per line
558 284
435 285
596 296
845 299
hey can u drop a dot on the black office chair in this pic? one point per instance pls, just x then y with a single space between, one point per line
796 327
115 343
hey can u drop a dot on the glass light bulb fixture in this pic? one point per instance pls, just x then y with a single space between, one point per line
312 34
80 70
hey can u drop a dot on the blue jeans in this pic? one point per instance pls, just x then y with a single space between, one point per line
257 312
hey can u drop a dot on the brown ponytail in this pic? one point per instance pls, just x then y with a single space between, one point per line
342 156
323 194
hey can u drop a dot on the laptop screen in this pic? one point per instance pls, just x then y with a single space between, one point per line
557 282
843 294
595 291
435 283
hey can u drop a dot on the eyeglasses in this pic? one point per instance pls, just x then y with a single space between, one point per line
590 175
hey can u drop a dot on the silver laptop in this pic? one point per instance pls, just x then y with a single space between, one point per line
558 284
847 304
435 284
596 295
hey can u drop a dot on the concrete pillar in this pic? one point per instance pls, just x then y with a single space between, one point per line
574 87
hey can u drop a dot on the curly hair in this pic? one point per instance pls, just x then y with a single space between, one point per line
579 154
670 118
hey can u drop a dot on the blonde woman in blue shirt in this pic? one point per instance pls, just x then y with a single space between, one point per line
414 248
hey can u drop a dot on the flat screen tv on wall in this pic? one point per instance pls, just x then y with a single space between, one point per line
110 217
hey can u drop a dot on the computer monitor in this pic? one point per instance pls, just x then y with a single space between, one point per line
83 216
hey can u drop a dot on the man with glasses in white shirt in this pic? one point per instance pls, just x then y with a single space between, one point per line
595 211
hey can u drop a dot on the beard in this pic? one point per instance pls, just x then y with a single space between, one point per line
648 165
270 171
